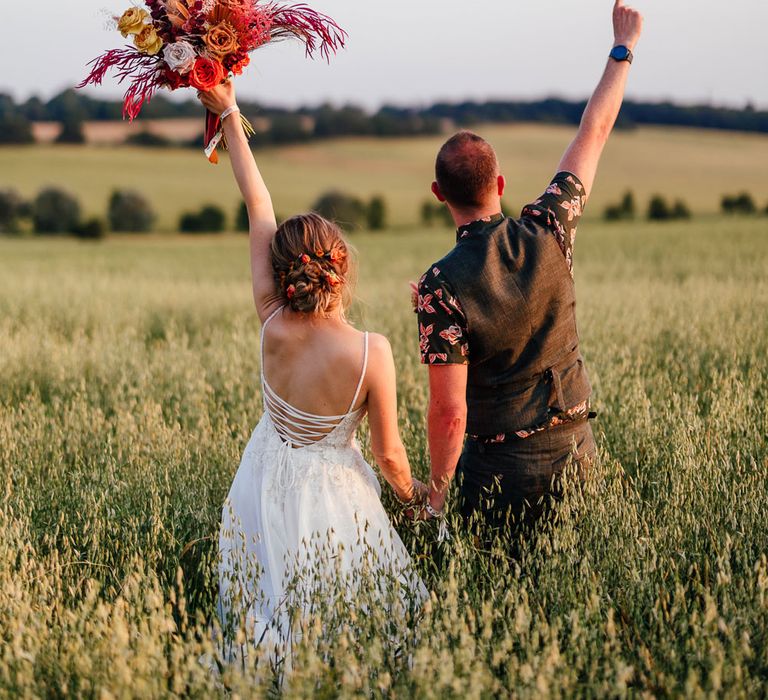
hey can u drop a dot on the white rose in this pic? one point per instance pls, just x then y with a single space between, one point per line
179 56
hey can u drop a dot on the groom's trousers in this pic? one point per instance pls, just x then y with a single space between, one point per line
508 484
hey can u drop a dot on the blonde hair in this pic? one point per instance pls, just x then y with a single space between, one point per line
312 266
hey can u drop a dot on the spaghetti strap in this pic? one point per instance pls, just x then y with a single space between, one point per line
362 374
261 337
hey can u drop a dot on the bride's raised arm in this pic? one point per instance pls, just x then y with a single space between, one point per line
261 215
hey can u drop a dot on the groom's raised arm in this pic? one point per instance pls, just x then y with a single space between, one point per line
583 155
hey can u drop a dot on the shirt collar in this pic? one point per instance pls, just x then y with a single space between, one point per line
476 226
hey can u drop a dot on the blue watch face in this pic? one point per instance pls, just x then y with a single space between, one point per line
620 53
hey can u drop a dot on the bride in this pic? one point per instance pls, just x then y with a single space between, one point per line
304 504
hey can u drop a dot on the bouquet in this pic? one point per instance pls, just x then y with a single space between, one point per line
200 43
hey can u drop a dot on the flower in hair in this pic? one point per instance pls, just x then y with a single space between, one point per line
291 291
333 279
335 256
320 253
304 259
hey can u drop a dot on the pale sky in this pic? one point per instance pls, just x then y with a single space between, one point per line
414 52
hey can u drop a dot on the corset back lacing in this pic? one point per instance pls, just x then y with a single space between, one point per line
296 428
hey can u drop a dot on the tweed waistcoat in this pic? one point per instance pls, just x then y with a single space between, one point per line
517 293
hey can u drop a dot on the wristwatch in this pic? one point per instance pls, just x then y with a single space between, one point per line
621 53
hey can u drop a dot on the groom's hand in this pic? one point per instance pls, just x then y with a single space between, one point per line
420 494
627 25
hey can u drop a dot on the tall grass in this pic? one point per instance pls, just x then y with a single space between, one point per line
129 386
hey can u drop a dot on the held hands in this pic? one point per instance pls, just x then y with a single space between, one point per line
218 99
424 503
627 25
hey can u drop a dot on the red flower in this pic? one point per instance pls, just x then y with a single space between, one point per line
290 292
332 279
173 80
206 74
305 259
238 67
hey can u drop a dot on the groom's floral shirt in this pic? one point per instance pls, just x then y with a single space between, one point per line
443 336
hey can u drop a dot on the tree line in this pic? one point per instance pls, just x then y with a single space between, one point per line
55 211
71 108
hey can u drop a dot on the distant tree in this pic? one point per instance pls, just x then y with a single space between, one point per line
55 211
741 203
68 105
443 215
613 212
434 212
427 213
376 214
146 139
71 131
210 219
12 208
628 205
658 209
625 210
34 109
15 129
680 210
347 121
93 229
241 218
346 210
130 211
289 128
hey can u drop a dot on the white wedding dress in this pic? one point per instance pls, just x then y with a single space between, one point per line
304 506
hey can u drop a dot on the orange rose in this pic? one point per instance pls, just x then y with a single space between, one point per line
206 74
221 40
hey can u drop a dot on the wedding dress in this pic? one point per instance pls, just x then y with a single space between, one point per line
304 506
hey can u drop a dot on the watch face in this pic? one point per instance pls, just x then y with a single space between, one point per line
620 53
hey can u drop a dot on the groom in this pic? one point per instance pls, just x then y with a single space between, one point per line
497 320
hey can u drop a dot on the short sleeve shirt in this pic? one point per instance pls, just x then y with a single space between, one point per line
442 324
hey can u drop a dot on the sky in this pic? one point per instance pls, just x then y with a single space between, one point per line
415 52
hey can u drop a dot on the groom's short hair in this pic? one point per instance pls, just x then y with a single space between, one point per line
466 169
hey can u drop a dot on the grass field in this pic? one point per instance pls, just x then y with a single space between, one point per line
129 386
697 166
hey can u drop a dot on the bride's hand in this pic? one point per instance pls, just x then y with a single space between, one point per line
219 98
419 497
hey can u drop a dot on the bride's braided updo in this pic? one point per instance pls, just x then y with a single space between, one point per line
310 259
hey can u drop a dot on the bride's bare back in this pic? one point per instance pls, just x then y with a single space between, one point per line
315 364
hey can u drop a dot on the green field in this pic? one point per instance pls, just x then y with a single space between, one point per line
697 166
129 386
